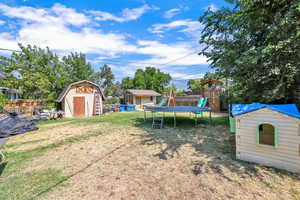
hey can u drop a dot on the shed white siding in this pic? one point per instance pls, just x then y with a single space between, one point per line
285 155
145 101
89 102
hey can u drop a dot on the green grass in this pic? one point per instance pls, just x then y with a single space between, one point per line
17 160
136 118
17 144
23 186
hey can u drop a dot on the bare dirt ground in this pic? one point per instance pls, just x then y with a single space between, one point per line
133 162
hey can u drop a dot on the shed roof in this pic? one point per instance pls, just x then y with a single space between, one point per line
287 109
66 89
143 92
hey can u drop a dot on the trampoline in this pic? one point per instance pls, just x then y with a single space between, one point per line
177 109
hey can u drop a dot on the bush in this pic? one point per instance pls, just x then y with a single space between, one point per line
2 99
49 105
112 100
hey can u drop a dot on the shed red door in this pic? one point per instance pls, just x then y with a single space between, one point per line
79 106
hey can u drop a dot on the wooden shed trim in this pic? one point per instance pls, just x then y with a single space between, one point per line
67 89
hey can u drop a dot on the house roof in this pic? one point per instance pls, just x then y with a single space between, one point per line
287 109
143 92
66 89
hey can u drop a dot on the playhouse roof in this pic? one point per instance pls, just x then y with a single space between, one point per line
66 89
143 92
287 109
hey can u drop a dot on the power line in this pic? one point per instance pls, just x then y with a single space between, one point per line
171 61
3 49
180 58
133 62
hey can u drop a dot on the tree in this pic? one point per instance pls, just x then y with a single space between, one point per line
77 67
256 45
150 78
116 90
139 79
40 74
127 83
105 79
195 84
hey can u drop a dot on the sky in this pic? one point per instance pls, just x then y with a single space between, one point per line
125 34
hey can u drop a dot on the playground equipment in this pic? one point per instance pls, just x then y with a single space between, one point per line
158 122
212 93
268 134
217 82
163 102
171 98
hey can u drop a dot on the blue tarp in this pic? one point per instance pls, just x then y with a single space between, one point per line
288 109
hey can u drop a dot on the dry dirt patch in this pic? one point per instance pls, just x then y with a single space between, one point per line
127 162
167 164
50 134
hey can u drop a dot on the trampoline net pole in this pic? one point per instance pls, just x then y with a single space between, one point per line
174 119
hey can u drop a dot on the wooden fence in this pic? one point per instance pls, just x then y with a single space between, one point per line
213 95
23 106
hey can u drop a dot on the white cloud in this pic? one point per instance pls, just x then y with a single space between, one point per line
63 39
58 14
127 14
163 53
212 7
171 13
2 22
7 41
185 76
49 28
193 28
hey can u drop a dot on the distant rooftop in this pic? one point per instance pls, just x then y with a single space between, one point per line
143 92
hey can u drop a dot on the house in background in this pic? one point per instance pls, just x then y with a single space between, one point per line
268 134
82 99
141 97
10 93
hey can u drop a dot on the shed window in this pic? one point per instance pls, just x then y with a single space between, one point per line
267 135
151 98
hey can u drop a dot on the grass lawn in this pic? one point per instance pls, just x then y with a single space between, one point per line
119 156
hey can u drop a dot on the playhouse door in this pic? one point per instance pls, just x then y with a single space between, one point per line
79 106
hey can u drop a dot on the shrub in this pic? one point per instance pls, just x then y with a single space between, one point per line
112 100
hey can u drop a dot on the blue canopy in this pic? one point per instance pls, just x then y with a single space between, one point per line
288 109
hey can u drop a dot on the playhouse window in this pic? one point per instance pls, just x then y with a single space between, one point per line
266 134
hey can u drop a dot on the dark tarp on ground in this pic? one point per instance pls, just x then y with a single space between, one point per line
13 125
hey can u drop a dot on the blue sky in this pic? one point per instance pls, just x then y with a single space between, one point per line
125 34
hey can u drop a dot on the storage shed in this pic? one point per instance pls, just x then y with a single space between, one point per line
268 134
82 99
141 97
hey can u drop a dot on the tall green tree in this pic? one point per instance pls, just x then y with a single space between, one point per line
41 74
127 83
194 84
256 45
105 78
78 67
151 78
